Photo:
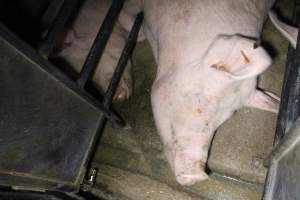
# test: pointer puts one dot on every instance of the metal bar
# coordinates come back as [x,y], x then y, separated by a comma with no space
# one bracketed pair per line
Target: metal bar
[100,42]
[289,106]
[284,180]
[288,142]
[51,14]
[57,74]
[290,98]
[282,118]
[126,53]
[110,115]
[59,26]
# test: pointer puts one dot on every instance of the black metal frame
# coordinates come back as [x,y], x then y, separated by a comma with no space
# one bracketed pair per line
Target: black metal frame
[290,98]
[100,42]
[53,37]
[287,128]
[113,117]
[56,32]
[8,194]
[283,174]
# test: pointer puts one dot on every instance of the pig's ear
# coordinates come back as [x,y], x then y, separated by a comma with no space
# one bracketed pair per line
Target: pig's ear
[236,57]
[289,32]
[263,100]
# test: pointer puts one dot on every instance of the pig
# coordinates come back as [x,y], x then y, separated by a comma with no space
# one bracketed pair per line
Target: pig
[207,68]
[79,40]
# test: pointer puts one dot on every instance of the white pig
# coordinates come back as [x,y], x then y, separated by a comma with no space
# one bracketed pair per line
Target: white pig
[81,36]
[207,69]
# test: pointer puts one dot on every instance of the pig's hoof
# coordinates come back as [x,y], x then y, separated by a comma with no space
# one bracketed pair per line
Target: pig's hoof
[190,179]
[123,92]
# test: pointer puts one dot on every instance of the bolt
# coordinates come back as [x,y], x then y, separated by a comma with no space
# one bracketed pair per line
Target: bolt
[92,176]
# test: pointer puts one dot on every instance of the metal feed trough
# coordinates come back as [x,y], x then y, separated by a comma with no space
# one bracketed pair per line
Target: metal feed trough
[41,109]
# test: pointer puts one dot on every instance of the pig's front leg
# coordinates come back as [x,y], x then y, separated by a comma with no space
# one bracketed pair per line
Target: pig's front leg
[190,156]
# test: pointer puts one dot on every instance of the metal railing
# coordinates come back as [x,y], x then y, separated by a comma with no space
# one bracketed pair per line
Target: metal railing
[53,37]
[282,182]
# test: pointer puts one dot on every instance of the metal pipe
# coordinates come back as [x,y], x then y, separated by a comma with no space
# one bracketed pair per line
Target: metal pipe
[58,75]
[290,98]
[100,42]
[289,107]
[59,27]
[126,53]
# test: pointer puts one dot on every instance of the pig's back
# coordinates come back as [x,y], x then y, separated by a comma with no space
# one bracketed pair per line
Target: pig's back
[198,22]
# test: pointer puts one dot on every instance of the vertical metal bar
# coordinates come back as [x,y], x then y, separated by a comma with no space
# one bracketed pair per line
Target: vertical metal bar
[59,26]
[50,14]
[126,53]
[44,65]
[100,42]
[290,98]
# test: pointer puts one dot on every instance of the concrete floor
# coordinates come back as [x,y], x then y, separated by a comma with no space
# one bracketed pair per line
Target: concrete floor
[131,162]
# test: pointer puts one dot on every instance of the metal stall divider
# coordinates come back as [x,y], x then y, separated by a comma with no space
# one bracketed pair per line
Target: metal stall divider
[94,56]
[108,97]
[100,42]
[44,73]
[88,69]
[283,177]
[290,98]
[59,25]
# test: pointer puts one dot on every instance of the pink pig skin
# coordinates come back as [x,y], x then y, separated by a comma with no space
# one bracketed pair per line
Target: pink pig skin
[207,69]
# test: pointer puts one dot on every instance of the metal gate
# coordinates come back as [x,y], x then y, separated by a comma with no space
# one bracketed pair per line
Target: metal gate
[49,123]
[283,179]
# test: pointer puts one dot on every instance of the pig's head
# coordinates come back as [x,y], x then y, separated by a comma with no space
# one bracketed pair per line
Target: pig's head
[191,102]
